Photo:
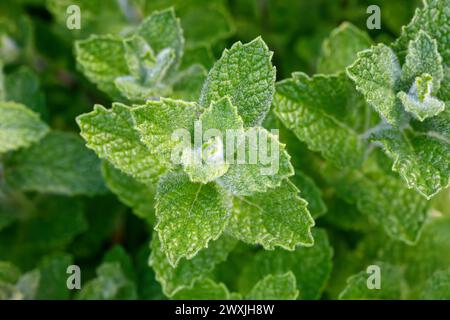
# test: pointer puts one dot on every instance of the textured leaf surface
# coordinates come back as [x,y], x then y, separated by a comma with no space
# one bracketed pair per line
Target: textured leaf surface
[138,196]
[376,74]
[53,277]
[19,126]
[59,163]
[156,121]
[265,163]
[311,266]
[422,159]
[110,133]
[162,30]
[340,48]
[101,58]
[189,215]
[187,272]
[275,287]
[245,74]
[276,218]
[324,112]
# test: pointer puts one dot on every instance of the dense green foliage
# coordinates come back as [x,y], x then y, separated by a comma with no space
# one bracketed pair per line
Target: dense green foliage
[87,170]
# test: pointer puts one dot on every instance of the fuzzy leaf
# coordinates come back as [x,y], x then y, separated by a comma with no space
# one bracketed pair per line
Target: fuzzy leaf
[274,218]
[189,215]
[156,122]
[376,74]
[245,74]
[260,163]
[101,58]
[110,133]
[437,287]
[422,159]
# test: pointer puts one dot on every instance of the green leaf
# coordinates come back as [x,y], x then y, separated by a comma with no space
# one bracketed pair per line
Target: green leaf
[139,197]
[205,289]
[310,192]
[19,126]
[59,164]
[311,266]
[275,287]
[437,287]
[162,30]
[245,74]
[101,59]
[432,19]
[376,74]
[421,158]
[423,58]
[189,215]
[326,113]
[23,86]
[392,284]
[260,163]
[187,272]
[340,48]
[157,121]
[110,133]
[276,218]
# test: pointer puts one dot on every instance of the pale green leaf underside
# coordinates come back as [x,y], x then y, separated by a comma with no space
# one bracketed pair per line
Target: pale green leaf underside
[187,272]
[19,126]
[275,287]
[245,74]
[276,218]
[189,215]
[110,133]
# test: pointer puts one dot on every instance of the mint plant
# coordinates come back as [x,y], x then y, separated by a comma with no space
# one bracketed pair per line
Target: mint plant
[159,151]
